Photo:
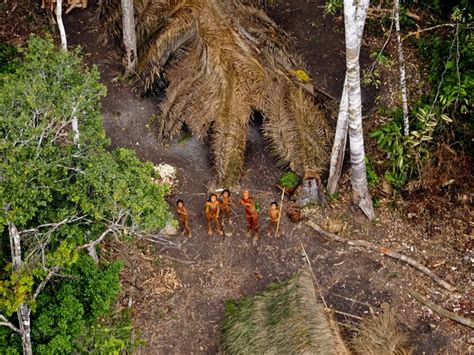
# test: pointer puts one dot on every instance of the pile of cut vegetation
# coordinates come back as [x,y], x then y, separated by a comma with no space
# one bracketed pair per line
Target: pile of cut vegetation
[288,318]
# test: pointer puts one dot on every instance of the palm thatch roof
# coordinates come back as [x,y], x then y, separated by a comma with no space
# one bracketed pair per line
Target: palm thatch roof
[288,318]
[219,61]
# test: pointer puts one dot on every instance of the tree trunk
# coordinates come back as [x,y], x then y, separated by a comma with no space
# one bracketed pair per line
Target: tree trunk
[25,328]
[403,84]
[360,190]
[75,129]
[59,19]
[129,37]
[340,139]
[24,311]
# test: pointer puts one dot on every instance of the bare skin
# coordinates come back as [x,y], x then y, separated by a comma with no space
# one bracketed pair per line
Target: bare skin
[212,210]
[251,214]
[226,209]
[274,214]
[183,219]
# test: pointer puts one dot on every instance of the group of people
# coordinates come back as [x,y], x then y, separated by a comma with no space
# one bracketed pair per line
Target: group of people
[218,211]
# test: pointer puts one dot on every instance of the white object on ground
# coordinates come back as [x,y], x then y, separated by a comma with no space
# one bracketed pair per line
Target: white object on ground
[167,174]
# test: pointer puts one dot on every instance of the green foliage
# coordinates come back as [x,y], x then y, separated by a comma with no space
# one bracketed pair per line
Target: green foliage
[288,180]
[390,139]
[376,201]
[372,177]
[10,342]
[333,6]
[443,8]
[443,113]
[15,288]
[67,308]
[7,55]
[47,178]
[450,59]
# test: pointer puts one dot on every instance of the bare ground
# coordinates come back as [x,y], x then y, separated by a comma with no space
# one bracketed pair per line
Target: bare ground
[178,295]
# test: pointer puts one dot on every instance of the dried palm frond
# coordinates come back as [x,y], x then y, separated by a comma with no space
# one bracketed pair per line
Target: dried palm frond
[380,335]
[220,61]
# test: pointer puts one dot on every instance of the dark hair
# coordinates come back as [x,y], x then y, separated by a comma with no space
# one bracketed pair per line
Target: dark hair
[225,190]
[177,202]
[210,196]
[274,203]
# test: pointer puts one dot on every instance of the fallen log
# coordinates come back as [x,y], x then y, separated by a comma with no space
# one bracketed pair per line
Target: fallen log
[440,310]
[384,251]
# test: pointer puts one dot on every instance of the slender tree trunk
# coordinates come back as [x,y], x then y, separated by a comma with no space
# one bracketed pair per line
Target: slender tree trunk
[340,139]
[15,245]
[59,19]
[75,129]
[129,36]
[360,190]
[24,311]
[403,84]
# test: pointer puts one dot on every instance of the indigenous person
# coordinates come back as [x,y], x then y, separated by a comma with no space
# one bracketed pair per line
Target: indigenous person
[251,213]
[274,214]
[225,205]
[212,210]
[183,218]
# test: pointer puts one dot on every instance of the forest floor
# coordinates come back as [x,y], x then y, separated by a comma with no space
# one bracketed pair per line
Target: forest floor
[178,294]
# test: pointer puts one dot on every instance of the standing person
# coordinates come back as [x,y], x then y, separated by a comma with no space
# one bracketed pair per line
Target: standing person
[183,218]
[274,214]
[251,214]
[225,204]
[212,214]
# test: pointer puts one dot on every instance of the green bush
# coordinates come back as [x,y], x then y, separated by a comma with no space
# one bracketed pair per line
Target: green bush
[47,177]
[66,308]
[8,55]
[288,180]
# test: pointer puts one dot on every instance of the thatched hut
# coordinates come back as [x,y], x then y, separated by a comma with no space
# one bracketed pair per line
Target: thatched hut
[289,318]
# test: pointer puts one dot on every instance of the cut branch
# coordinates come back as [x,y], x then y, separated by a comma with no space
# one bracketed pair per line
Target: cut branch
[419,31]
[440,310]
[384,251]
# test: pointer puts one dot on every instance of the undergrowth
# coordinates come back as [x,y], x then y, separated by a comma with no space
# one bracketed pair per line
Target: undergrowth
[443,113]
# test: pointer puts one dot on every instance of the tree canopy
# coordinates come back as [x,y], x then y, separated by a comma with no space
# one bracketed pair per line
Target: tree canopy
[62,195]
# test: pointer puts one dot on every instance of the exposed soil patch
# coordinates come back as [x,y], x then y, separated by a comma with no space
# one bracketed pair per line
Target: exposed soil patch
[182,312]
[320,39]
